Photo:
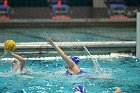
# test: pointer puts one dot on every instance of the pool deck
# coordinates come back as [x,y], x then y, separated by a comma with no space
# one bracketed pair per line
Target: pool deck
[96,47]
[102,22]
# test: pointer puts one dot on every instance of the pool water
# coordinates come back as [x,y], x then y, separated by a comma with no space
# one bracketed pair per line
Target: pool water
[68,34]
[47,76]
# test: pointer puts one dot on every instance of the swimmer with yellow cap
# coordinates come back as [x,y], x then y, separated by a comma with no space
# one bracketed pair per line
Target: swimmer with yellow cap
[18,64]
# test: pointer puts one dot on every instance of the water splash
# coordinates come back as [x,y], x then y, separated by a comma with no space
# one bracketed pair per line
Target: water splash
[2,56]
[95,62]
[44,35]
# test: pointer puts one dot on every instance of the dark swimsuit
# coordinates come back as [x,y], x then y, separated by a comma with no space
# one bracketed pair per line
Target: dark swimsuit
[81,72]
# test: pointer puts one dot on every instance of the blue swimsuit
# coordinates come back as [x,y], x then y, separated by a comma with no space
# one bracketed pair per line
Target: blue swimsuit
[81,72]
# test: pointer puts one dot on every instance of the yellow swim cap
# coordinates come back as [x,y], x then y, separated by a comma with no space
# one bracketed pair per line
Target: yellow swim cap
[10,45]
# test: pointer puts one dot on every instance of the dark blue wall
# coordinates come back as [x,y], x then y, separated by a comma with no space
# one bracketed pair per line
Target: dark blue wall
[45,3]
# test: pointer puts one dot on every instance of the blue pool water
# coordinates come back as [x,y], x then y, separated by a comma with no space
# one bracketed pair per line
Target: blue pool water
[47,76]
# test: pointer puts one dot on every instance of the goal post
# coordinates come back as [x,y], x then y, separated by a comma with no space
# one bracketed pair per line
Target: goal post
[138,36]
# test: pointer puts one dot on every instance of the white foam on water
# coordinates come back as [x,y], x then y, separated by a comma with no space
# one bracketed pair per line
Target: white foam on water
[1,57]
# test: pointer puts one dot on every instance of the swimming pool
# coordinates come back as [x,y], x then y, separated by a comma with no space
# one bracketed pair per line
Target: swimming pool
[47,76]
[83,34]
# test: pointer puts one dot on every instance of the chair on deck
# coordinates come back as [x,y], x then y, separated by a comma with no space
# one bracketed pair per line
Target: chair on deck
[4,12]
[60,10]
